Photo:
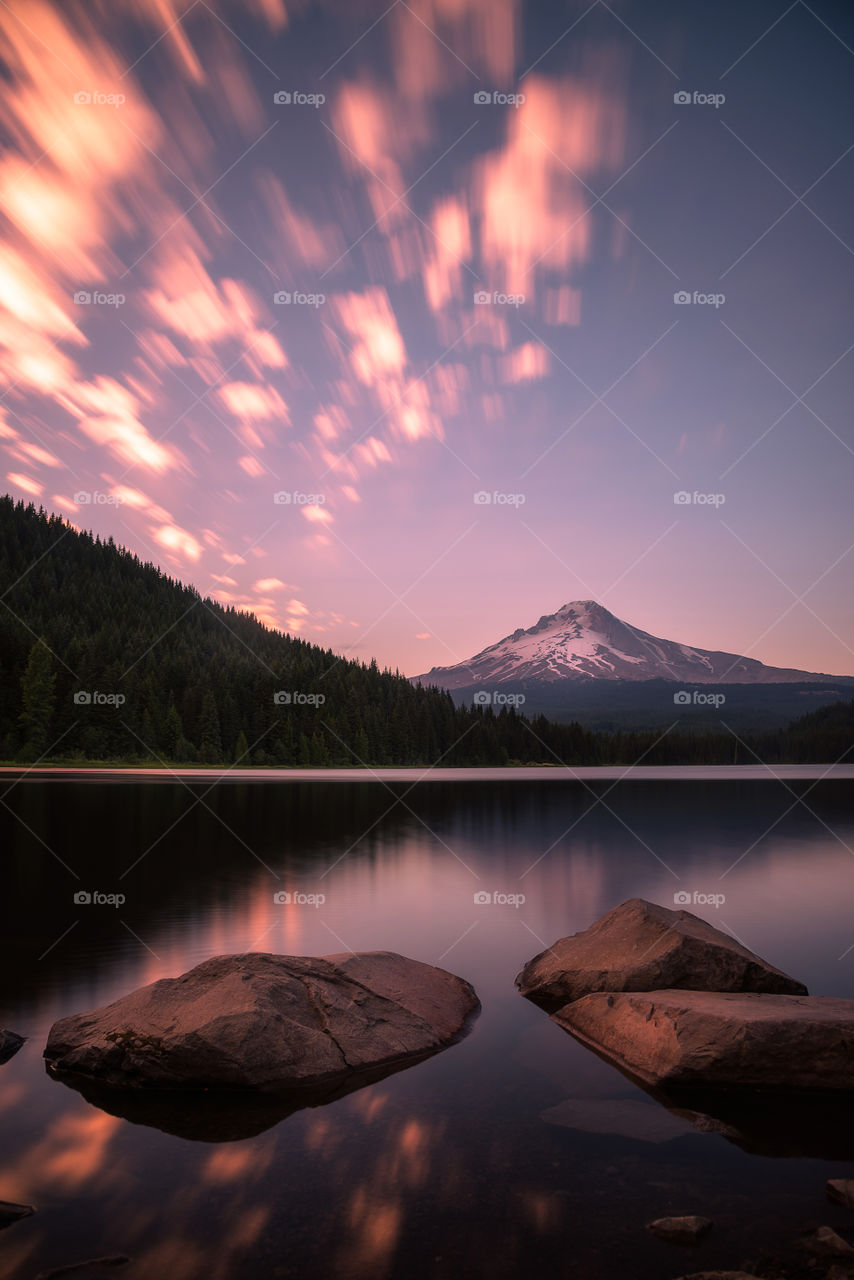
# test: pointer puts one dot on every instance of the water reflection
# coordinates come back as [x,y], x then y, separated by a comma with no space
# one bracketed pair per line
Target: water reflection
[209,1116]
[446,1169]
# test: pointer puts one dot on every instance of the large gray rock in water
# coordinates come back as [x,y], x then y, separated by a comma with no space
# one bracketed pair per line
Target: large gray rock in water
[265,1022]
[691,1039]
[643,947]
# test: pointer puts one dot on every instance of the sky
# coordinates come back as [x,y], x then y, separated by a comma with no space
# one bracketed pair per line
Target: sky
[401,325]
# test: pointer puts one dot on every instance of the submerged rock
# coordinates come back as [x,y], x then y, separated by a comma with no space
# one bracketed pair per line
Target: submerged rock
[91,1264]
[10,1212]
[825,1243]
[259,1022]
[841,1190]
[626,1117]
[10,1043]
[694,1039]
[639,946]
[684,1230]
[720,1275]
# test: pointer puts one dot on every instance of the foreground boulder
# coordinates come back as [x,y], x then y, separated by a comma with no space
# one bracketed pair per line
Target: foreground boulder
[690,1039]
[643,947]
[259,1022]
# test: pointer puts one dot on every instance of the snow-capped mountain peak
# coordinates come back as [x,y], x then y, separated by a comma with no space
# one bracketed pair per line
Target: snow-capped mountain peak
[584,640]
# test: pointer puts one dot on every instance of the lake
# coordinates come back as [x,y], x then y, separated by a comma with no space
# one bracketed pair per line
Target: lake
[448,1167]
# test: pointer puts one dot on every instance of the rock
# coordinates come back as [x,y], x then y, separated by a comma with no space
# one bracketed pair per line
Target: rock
[685,1039]
[720,1275]
[643,947]
[685,1230]
[91,1264]
[841,1190]
[827,1244]
[643,1121]
[259,1022]
[9,1044]
[10,1213]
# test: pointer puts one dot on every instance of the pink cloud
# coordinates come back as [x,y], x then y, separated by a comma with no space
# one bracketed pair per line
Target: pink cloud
[27,483]
[533,209]
[372,327]
[252,401]
[527,362]
[178,541]
[317,515]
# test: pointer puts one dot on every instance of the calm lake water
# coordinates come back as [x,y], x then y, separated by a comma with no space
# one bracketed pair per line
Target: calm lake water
[447,1168]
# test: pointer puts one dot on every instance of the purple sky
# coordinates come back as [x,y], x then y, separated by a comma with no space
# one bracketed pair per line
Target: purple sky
[149,166]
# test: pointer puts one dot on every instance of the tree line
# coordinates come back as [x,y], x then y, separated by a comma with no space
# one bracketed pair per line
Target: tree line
[103,657]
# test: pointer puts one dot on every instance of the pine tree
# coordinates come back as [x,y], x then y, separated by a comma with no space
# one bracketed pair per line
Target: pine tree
[241,749]
[210,746]
[38,699]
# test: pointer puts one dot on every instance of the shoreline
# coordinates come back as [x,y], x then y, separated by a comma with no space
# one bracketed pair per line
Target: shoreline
[420,773]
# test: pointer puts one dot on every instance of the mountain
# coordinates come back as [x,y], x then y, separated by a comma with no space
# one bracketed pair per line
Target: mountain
[104,658]
[583,640]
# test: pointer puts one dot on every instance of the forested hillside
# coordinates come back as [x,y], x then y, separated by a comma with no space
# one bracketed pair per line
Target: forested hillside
[104,657]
